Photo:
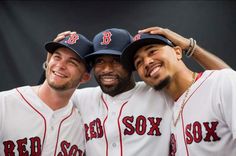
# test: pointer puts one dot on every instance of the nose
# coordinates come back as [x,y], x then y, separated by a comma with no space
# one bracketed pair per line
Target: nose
[61,64]
[148,61]
[107,68]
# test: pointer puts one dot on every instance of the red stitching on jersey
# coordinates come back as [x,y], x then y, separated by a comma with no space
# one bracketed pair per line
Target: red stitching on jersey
[104,126]
[60,129]
[121,147]
[121,144]
[45,125]
[183,130]
[182,118]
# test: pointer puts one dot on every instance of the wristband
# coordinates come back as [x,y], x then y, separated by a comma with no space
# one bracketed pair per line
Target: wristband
[191,48]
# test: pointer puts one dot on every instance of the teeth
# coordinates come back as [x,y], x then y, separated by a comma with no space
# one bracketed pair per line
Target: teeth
[154,71]
[58,74]
[108,79]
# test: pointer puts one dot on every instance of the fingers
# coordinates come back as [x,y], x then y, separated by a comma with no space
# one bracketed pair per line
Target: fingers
[177,39]
[63,35]
[152,30]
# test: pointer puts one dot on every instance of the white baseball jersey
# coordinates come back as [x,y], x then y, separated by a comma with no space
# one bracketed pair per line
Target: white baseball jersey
[207,126]
[30,127]
[134,123]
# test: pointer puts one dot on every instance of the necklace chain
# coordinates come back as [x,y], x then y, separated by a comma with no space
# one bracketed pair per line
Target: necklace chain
[184,100]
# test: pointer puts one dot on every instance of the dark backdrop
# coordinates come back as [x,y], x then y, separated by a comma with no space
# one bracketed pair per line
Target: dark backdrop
[27,25]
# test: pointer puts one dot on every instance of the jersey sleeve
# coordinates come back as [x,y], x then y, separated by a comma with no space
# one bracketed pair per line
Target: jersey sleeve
[227,95]
[75,98]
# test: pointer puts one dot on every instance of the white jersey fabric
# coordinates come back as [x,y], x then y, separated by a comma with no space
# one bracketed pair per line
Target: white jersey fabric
[207,126]
[30,127]
[134,123]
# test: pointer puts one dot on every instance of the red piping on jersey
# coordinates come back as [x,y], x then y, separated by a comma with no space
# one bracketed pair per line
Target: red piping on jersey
[45,125]
[60,129]
[121,145]
[104,126]
[184,133]
[182,118]
[198,76]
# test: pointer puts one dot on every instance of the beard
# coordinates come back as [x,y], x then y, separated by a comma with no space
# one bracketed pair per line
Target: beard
[162,84]
[58,87]
[73,83]
[113,90]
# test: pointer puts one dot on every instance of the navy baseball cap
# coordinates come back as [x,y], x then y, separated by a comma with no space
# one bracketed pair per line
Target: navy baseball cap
[141,40]
[110,42]
[78,43]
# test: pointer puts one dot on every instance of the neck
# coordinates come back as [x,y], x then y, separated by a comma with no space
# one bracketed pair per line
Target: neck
[55,99]
[129,85]
[180,82]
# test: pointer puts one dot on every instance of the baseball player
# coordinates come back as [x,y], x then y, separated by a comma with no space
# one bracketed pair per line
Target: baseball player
[204,103]
[119,116]
[41,120]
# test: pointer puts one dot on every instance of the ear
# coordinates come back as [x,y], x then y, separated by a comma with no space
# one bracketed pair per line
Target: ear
[49,55]
[178,52]
[85,78]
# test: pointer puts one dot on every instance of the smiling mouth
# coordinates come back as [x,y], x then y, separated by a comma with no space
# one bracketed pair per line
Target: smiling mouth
[108,80]
[153,70]
[59,74]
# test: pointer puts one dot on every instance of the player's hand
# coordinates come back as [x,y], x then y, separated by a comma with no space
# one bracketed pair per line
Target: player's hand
[175,38]
[63,35]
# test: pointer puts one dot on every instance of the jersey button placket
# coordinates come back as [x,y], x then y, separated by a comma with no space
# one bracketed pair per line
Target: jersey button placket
[52,123]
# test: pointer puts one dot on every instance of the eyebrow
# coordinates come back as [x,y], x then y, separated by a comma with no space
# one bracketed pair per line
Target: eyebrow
[76,58]
[149,47]
[145,49]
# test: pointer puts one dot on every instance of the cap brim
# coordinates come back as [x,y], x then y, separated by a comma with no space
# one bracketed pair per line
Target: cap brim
[52,46]
[91,56]
[129,52]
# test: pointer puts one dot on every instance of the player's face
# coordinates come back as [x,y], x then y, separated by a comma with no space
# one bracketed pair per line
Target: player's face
[65,70]
[110,74]
[155,64]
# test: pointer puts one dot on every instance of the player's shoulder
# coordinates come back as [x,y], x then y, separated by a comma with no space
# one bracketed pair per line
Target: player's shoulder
[227,72]
[12,92]
[224,78]
[143,89]
[88,92]
[12,95]
[220,74]
[142,86]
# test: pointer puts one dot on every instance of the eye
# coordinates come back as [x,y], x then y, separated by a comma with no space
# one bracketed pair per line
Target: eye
[56,57]
[98,61]
[153,51]
[137,63]
[74,62]
[116,60]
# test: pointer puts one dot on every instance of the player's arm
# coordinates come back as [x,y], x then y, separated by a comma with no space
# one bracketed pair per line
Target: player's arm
[206,59]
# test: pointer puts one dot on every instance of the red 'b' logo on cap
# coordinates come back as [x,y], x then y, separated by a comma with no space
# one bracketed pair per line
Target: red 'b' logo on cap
[137,37]
[72,39]
[106,39]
